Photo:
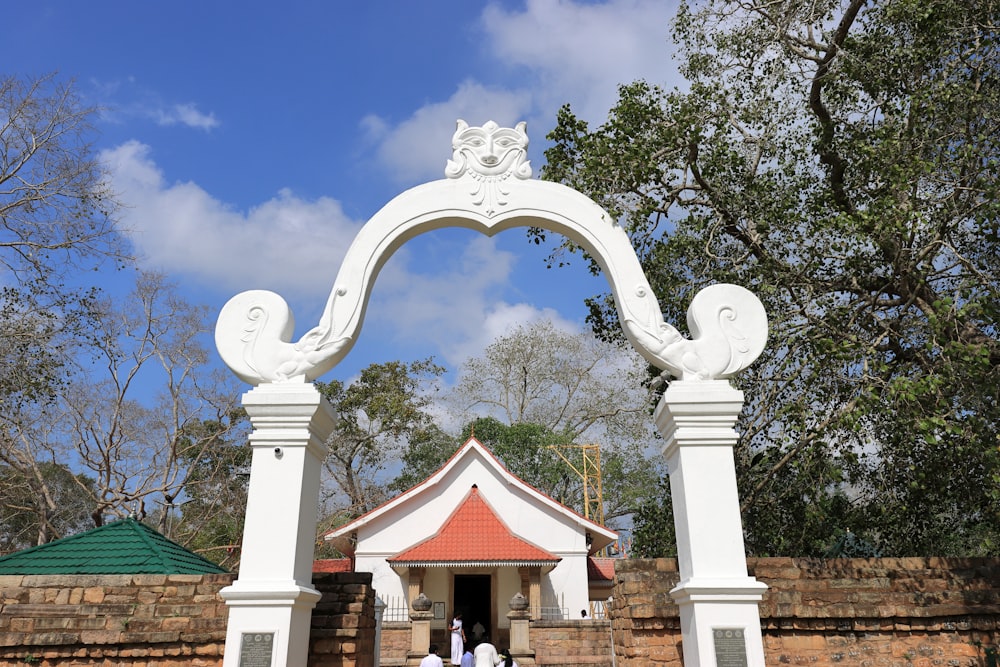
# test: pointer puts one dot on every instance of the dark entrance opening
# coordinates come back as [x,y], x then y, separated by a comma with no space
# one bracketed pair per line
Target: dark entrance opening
[473,599]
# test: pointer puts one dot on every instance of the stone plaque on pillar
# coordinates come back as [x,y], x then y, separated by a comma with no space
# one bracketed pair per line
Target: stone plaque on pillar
[256,649]
[730,647]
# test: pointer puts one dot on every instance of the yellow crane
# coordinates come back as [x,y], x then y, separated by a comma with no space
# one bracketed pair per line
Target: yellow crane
[593,493]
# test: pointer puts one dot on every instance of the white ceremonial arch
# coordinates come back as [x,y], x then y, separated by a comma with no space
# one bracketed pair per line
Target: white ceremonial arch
[488,187]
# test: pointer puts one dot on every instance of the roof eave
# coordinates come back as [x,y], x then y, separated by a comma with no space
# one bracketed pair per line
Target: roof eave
[402,566]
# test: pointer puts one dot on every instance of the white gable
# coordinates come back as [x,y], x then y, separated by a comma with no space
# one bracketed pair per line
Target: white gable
[420,512]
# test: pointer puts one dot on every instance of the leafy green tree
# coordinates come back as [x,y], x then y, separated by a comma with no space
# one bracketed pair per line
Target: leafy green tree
[653,534]
[378,412]
[429,448]
[214,498]
[35,510]
[840,159]
[527,450]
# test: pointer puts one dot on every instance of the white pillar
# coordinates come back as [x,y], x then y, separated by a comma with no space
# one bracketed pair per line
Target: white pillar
[717,599]
[271,601]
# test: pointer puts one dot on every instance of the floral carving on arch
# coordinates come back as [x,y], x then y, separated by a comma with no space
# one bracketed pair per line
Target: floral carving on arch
[488,187]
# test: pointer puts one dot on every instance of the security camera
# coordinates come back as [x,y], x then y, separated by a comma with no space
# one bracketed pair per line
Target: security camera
[277,452]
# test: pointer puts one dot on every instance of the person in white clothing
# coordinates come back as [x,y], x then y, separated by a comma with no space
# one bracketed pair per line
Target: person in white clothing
[432,659]
[457,639]
[486,654]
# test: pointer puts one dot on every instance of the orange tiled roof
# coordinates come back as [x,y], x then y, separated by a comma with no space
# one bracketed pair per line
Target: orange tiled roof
[333,565]
[601,570]
[474,534]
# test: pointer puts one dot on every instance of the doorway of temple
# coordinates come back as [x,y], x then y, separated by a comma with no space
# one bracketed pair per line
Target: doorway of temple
[474,599]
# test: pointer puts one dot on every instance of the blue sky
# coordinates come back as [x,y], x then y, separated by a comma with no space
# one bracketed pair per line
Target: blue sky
[251,140]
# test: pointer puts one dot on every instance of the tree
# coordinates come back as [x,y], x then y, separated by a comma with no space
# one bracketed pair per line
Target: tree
[840,159]
[428,449]
[132,418]
[541,387]
[653,534]
[527,450]
[57,210]
[378,413]
[57,220]
[35,510]
[215,492]
[37,346]
[575,385]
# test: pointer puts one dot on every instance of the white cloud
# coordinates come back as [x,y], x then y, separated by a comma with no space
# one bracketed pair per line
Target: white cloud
[546,55]
[186,114]
[579,52]
[459,306]
[180,227]
[417,149]
[125,98]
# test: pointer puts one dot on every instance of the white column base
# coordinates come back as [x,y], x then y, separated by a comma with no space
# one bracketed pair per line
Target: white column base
[282,610]
[727,606]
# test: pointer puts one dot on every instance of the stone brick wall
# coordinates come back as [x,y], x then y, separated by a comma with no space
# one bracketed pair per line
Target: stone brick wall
[395,643]
[163,620]
[135,620]
[907,612]
[343,623]
[910,612]
[576,642]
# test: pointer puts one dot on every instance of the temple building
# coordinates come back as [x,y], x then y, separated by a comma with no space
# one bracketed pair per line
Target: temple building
[473,535]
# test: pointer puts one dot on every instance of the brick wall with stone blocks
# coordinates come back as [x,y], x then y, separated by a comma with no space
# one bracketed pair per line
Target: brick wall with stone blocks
[905,612]
[911,612]
[142,619]
[575,642]
[395,643]
[343,623]
[162,620]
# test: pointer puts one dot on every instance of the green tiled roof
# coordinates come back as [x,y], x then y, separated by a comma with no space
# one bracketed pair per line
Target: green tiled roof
[121,547]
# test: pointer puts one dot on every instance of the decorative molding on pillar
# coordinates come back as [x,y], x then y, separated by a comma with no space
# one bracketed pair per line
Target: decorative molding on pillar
[265,594]
[488,187]
[698,412]
[737,589]
[290,413]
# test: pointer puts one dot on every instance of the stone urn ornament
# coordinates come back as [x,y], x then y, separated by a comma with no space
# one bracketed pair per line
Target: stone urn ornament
[421,603]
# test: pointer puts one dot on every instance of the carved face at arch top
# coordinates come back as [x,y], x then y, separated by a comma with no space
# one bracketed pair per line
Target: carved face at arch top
[489,150]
